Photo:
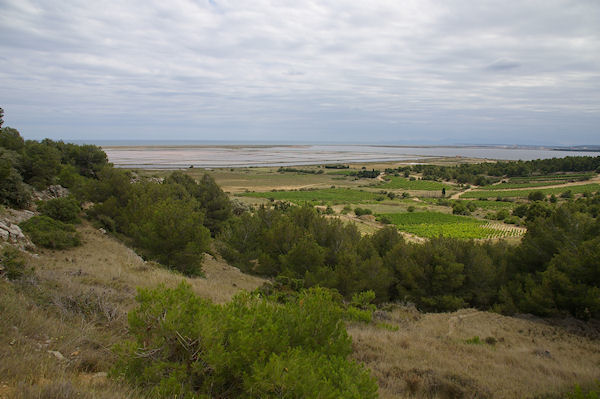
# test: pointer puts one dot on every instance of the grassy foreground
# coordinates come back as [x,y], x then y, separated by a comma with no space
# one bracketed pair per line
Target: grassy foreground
[60,322]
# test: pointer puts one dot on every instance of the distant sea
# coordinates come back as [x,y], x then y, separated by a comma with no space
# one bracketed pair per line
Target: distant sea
[183,154]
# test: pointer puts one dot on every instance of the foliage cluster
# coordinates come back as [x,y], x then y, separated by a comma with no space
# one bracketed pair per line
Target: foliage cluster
[64,209]
[26,163]
[407,184]
[362,211]
[328,195]
[553,270]
[580,189]
[13,264]
[303,171]
[336,166]
[366,174]
[50,233]
[486,173]
[169,222]
[250,348]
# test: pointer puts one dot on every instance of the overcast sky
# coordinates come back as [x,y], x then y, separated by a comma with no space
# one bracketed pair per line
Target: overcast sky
[522,72]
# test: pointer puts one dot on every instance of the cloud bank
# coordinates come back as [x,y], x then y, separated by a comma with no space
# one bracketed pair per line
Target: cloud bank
[386,71]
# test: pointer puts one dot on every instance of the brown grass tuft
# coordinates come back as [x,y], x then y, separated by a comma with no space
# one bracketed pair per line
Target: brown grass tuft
[435,355]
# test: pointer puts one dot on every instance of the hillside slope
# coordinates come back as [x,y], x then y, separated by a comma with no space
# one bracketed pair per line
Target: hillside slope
[59,323]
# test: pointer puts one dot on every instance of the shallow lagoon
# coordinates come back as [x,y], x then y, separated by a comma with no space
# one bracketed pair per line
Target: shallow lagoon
[221,156]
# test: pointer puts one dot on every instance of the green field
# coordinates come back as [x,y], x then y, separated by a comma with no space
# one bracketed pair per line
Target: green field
[435,224]
[579,189]
[494,205]
[343,172]
[328,195]
[507,186]
[565,177]
[406,184]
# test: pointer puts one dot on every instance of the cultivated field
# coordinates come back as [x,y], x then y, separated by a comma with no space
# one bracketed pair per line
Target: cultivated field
[393,195]
[523,193]
[436,224]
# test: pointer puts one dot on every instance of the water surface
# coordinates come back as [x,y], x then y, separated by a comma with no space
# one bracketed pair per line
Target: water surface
[220,156]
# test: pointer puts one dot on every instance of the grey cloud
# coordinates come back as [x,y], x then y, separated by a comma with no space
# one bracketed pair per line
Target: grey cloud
[389,70]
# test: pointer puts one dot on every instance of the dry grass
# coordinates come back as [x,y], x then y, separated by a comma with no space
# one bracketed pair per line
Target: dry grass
[58,325]
[430,355]
[105,263]
[76,302]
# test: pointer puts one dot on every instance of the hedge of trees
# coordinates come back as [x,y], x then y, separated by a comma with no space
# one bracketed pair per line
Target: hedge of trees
[554,270]
[490,172]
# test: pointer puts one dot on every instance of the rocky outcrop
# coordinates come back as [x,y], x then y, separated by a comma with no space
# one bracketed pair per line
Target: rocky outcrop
[10,230]
[51,192]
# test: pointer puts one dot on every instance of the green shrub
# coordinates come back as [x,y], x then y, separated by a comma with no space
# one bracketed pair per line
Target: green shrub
[474,341]
[362,211]
[13,192]
[13,264]
[579,393]
[502,214]
[384,219]
[50,233]
[300,374]
[361,307]
[251,347]
[567,194]
[512,220]
[536,196]
[459,208]
[63,209]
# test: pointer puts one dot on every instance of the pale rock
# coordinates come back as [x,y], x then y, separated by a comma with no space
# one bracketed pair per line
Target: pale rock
[57,355]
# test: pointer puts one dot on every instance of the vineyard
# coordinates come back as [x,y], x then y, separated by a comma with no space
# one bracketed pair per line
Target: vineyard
[494,205]
[565,177]
[328,195]
[538,181]
[406,184]
[508,186]
[435,224]
[505,230]
[579,189]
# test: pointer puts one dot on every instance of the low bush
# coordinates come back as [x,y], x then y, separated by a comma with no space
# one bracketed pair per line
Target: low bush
[49,233]
[362,211]
[63,209]
[579,393]
[12,264]
[536,196]
[251,347]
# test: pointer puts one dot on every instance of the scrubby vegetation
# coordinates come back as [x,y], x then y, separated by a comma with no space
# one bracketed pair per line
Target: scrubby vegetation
[441,274]
[170,222]
[485,173]
[251,347]
[50,233]
[289,338]
[63,209]
[27,164]
[330,195]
